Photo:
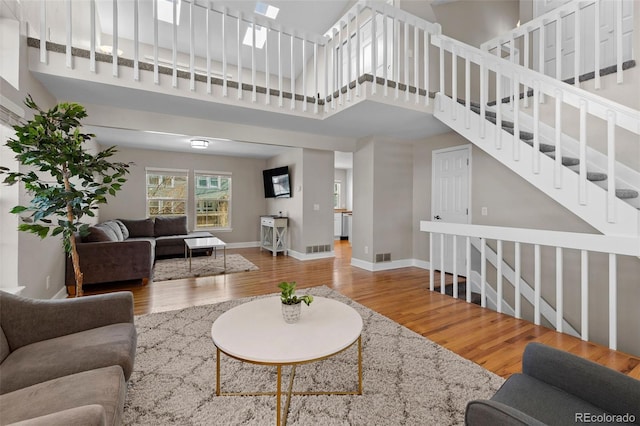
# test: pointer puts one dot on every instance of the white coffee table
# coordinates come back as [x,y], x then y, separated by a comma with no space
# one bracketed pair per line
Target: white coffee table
[255,332]
[191,244]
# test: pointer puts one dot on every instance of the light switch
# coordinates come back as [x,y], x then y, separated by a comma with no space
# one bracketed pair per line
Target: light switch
[316,207]
[484,211]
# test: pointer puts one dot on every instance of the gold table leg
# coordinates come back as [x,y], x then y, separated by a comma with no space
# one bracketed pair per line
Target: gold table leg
[278,394]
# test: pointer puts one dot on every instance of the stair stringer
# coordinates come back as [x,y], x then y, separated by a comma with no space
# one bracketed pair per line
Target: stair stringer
[594,212]
[626,177]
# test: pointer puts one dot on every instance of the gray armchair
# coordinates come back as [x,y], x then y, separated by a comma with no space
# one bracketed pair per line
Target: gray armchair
[65,361]
[559,388]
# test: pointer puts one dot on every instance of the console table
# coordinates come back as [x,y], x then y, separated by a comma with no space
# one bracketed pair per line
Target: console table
[273,234]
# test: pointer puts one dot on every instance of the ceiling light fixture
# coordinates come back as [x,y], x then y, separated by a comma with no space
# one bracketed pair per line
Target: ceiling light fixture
[267,10]
[199,143]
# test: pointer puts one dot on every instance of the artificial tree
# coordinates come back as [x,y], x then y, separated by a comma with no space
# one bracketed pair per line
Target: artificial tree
[66,182]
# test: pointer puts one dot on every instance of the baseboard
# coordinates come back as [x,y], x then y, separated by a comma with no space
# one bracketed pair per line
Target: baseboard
[310,256]
[248,244]
[385,266]
[61,294]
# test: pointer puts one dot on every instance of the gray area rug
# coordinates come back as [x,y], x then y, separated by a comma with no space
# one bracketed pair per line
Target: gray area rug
[407,379]
[202,266]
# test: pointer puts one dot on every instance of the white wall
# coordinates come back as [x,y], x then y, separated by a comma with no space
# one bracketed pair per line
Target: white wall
[8,222]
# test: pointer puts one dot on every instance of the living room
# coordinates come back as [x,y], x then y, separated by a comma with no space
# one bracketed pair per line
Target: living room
[393,179]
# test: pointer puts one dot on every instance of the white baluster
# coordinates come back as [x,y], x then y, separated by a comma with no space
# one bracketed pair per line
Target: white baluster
[267,71]
[431,264]
[348,79]
[499,276]
[43,31]
[326,75]
[304,75]
[454,83]
[518,274]
[611,166]
[526,65]
[92,41]
[483,98]
[136,40]
[454,250]
[254,92]
[558,170]
[483,273]
[613,302]
[536,127]
[426,66]
[467,91]
[280,85]
[385,52]
[315,76]
[68,56]
[358,67]
[293,75]
[596,54]
[192,53]
[542,45]
[584,294]
[498,108]
[577,42]
[515,95]
[516,119]
[442,74]
[468,278]
[114,52]
[239,41]
[582,185]
[223,24]
[208,46]
[536,284]
[442,278]
[618,31]
[156,74]
[416,80]
[559,291]
[559,48]
[174,26]
[406,60]
[396,47]
[374,51]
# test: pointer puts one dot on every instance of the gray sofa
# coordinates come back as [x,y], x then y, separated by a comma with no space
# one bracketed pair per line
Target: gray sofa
[123,249]
[559,388]
[65,362]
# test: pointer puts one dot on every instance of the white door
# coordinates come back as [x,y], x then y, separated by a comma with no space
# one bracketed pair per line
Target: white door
[607,32]
[450,201]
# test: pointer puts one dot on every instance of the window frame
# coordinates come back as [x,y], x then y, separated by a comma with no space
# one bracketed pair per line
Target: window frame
[211,175]
[163,173]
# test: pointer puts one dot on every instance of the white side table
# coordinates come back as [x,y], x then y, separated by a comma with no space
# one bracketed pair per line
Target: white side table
[273,234]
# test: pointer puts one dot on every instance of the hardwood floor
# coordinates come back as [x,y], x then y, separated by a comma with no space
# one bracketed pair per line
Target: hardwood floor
[493,340]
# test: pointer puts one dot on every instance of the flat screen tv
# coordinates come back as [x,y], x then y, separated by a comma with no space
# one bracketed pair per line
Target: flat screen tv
[277,182]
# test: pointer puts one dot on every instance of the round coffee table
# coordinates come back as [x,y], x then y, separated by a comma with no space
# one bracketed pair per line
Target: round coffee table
[255,332]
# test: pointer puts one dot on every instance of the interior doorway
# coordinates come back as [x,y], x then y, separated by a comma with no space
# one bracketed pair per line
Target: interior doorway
[450,201]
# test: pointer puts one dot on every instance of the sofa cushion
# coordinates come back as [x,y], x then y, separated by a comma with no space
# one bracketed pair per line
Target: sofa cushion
[48,359]
[100,234]
[139,227]
[86,415]
[115,228]
[170,225]
[104,386]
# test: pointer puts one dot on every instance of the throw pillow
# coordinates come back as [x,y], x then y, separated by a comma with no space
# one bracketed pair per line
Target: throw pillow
[115,228]
[100,234]
[123,229]
[139,227]
[171,225]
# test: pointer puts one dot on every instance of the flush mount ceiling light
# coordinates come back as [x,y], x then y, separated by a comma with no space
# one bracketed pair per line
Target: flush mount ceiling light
[261,36]
[267,10]
[199,143]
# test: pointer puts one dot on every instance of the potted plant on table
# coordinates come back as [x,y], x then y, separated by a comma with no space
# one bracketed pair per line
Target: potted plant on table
[291,303]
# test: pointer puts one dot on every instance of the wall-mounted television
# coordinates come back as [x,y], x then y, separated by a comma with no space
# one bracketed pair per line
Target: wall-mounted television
[277,182]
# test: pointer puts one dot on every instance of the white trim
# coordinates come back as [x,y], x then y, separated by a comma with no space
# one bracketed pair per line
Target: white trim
[382,266]
[209,173]
[11,106]
[163,170]
[247,244]
[310,256]
[61,294]
[13,290]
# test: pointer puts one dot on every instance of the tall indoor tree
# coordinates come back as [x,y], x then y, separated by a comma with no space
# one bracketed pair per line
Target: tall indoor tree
[66,181]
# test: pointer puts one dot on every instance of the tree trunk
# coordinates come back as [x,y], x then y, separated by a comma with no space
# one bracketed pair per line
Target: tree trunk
[75,258]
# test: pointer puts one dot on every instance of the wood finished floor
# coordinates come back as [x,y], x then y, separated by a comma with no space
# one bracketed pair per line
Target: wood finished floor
[493,340]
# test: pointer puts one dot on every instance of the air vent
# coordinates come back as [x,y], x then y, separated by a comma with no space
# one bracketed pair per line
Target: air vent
[322,248]
[383,257]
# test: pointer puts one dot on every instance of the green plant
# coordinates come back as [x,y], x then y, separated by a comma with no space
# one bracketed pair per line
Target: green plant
[288,295]
[65,180]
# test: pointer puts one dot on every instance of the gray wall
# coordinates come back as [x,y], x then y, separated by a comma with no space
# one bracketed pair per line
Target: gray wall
[248,200]
[363,201]
[317,191]
[291,207]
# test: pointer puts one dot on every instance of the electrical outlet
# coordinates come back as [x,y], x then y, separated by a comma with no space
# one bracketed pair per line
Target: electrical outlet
[316,207]
[366,249]
[48,281]
[484,211]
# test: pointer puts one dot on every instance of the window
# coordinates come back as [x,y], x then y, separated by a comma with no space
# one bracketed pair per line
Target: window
[167,192]
[213,200]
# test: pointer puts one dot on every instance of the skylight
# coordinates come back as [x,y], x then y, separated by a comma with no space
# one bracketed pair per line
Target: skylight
[165,10]
[267,10]
[261,36]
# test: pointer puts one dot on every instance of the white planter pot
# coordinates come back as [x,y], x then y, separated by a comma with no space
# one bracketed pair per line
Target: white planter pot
[291,313]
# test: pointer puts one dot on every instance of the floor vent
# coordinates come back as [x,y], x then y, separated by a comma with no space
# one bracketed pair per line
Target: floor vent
[322,248]
[383,257]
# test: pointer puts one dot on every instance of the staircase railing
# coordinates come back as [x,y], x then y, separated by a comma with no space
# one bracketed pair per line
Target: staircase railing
[613,246]
[589,107]
[572,13]
[295,67]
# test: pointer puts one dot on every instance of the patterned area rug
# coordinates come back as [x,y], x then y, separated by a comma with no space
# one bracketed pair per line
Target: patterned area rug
[202,266]
[407,379]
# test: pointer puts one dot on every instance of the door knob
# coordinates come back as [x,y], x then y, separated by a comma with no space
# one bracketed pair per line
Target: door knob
[437,217]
